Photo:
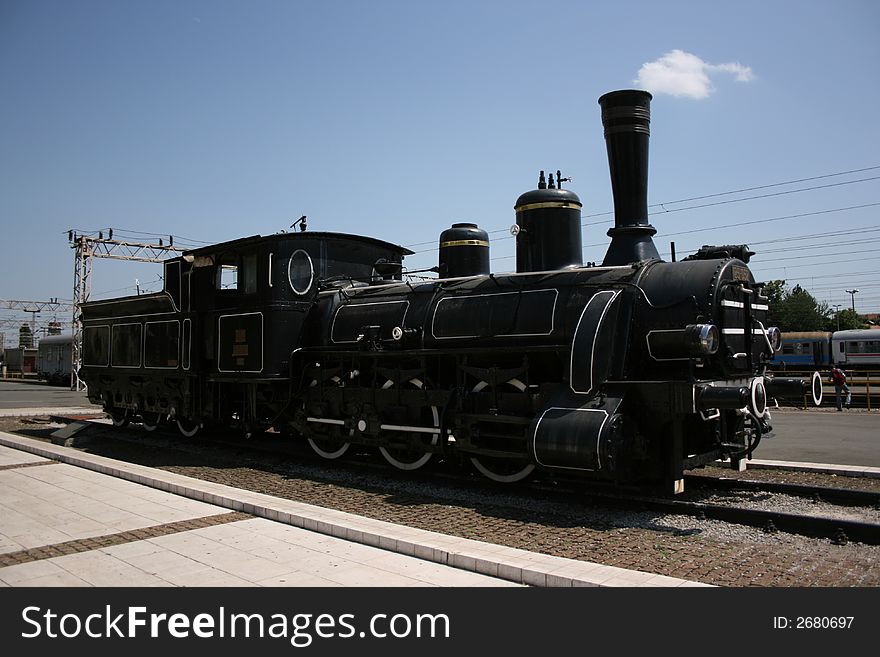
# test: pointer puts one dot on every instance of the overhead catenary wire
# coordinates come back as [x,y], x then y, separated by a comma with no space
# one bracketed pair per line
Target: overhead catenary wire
[851,231]
[158,279]
[718,194]
[718,227]
[662,208]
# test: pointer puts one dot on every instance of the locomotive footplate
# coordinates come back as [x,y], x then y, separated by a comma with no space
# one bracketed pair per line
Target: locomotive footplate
[675,397]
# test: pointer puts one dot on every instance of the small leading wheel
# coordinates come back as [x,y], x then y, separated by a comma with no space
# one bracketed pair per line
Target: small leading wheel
[150,421]
[421,421]
[188,427]
[119,417]
[502,470]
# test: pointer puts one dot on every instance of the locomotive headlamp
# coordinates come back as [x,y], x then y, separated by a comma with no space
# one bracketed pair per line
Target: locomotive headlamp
[774,335]
[400,334]
[701,339]
[694,340]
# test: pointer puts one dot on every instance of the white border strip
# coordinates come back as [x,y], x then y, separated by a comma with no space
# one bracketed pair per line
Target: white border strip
[358,305]
[595,337]
[140,347]
[497,294]
[154,367]
[109,344]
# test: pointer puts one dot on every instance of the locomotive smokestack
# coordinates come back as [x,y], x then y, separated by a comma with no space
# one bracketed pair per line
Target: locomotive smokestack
[626,116]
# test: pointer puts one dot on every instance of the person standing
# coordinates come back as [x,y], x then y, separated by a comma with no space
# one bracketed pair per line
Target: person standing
[838,378]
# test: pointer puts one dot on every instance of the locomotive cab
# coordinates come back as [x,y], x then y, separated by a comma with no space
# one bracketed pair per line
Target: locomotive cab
[255,294]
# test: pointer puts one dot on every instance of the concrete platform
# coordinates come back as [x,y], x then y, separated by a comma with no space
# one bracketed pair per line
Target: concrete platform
[51,410]
[823,468]
[73,519]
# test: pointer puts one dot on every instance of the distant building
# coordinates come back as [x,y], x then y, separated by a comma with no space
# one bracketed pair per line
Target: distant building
[21,360]
[25,336]
[873,320]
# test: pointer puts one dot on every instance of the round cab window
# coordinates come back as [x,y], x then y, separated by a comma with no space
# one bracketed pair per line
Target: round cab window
[300,272]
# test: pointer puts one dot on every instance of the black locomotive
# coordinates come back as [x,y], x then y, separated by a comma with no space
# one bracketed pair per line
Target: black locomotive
[627,373]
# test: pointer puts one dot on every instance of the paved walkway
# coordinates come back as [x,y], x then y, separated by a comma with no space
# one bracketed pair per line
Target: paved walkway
[69,518]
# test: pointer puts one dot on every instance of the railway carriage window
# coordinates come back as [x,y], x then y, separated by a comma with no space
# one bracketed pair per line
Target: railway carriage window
[864,347]
[300,272]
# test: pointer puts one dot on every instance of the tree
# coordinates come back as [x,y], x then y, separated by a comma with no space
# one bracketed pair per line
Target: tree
[795,309]
[774,291]
[848,319]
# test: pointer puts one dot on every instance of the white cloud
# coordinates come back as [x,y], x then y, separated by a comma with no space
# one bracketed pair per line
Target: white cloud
[680,73]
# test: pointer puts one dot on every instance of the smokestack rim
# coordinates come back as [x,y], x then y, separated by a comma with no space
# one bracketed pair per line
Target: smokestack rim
[626,111]
[640,94]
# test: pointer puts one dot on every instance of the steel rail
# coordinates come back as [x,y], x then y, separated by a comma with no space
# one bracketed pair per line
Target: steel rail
[841,496]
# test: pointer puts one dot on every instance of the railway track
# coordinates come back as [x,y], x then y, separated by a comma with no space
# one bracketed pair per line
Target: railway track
[839,530]
[842,496]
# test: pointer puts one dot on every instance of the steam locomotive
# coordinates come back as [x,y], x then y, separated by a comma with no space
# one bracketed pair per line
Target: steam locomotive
[626,373]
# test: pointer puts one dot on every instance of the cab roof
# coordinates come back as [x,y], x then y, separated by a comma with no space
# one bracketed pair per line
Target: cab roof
[294,236]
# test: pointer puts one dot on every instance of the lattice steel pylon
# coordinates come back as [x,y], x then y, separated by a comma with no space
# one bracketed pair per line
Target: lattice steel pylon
[85,248]
[53,306]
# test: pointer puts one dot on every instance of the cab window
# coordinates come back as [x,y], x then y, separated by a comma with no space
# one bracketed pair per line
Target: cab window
[238,274]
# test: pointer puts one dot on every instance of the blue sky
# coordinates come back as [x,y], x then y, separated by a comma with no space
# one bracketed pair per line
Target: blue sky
[212,120]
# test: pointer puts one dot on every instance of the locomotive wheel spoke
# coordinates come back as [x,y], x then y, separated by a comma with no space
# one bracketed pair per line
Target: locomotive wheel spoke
[150,421]
[412,458]
[502,470]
